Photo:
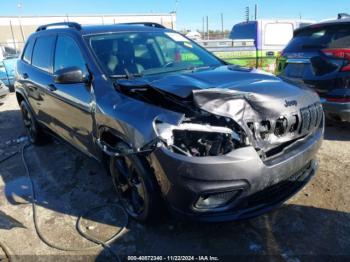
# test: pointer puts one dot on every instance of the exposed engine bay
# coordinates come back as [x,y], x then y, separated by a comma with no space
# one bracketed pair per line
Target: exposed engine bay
[266,114]
[200,134]
[194,139]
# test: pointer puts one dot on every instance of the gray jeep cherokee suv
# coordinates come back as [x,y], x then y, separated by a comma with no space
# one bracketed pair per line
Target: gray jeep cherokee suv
[174,123]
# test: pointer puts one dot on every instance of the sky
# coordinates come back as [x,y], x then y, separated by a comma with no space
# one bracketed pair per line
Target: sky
[189,12]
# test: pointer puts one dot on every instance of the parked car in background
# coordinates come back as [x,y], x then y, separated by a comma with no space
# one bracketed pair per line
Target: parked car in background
[174,123]
[318,57]
[194,35]
[255,43]
[7,71]
[4,91]
[6,51]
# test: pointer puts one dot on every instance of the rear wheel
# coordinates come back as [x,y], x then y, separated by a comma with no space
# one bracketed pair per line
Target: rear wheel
[136,186]
[34,132]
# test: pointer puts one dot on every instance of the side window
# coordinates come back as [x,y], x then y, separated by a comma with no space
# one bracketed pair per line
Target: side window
[42,52]
[278,34]
[27,55]
[246,30]
[340,38]
[68,54]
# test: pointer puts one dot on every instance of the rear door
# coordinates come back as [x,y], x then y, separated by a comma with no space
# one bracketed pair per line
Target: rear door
[36,76]
[317,56]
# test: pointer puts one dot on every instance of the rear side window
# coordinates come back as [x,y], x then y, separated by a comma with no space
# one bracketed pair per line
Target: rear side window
[334,36]
[278,33]
[246,30]
[42,52]
[68,54]
[27,55]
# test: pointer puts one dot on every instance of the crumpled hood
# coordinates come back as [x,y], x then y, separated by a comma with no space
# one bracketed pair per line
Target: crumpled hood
[264,91]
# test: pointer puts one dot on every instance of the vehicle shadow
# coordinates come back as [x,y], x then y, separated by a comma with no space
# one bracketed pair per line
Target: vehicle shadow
[290,233]
[10,125]
[68,184]
[337,131]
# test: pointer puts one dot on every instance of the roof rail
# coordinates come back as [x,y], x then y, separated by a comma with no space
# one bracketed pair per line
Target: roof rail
[343,15]
[151,24]
[67,24]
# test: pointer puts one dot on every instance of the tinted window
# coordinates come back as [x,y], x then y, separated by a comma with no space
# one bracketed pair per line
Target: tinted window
[42,52]
[334,36]
[68,54]
[246,30]
[304,24]
[27,55]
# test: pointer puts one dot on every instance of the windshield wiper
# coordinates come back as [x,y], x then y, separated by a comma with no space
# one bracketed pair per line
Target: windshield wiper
[172,70]
[127,75]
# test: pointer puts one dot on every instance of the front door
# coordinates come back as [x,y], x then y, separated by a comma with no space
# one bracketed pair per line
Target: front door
[71,108]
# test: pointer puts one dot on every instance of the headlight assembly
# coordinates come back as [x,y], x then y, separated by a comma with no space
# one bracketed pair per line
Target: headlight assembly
[194,139]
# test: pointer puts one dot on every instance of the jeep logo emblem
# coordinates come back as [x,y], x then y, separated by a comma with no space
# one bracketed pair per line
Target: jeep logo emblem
[290,103]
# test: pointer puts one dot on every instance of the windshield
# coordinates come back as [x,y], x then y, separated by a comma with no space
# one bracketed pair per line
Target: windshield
[145,53]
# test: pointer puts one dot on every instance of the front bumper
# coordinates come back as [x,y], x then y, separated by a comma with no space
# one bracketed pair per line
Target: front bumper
[262,185]
[337,111]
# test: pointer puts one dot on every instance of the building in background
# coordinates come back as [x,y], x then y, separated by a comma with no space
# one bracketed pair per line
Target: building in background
[14,30]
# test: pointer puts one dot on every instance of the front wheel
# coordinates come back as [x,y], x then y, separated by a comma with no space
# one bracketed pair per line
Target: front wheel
[136,186]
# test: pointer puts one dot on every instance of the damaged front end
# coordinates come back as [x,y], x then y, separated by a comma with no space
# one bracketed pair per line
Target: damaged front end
[235,150]
[201,139]
[199,134]
[268,122]
[217,121]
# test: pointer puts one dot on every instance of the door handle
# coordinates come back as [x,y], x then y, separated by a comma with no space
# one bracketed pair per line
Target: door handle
[52,87]
[25,76]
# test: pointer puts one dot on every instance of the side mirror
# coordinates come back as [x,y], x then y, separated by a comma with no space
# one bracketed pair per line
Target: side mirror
[69,75]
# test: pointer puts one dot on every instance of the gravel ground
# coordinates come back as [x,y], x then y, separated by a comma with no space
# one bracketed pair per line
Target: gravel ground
[314,225]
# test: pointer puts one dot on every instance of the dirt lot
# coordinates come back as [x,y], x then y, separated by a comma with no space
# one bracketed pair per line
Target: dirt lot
[313,225]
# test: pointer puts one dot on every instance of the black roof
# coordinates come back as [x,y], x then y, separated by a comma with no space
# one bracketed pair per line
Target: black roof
[86,30]
[97,29]
[324,23]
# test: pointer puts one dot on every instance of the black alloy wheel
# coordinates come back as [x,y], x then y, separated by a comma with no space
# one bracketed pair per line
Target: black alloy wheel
[136,186]
[34,132]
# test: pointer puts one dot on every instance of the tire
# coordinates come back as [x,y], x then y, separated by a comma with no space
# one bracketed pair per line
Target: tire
[136,186]
[35,134]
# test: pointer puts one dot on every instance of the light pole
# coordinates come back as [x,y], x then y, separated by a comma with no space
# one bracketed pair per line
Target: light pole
[19,6]
[176,5]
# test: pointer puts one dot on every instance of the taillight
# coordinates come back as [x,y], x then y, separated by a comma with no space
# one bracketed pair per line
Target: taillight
[338,99]
[341,53]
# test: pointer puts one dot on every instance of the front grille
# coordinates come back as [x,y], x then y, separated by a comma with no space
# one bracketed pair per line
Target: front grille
[276,192]
[311,117]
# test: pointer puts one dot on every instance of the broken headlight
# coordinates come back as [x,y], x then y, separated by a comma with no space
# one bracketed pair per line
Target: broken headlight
[194,139]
